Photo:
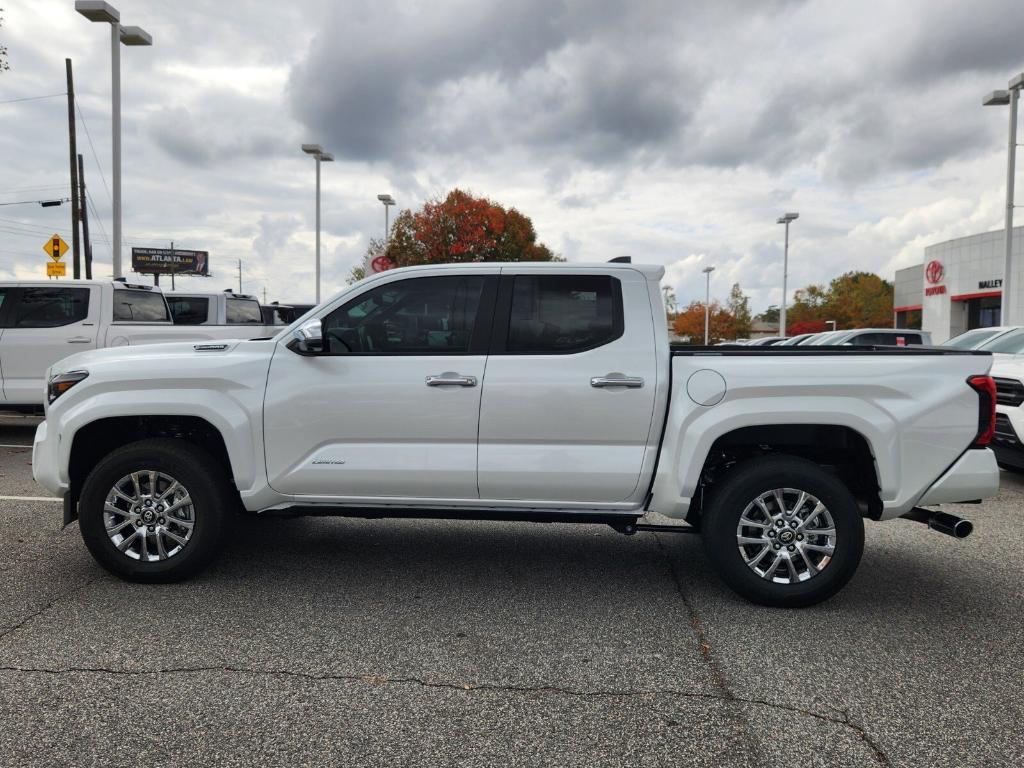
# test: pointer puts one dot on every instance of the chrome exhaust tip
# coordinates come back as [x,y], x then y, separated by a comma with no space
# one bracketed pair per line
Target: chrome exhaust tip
[943,522]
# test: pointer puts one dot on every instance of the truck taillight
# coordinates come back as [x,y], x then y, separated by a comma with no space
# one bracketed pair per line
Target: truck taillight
[985,386]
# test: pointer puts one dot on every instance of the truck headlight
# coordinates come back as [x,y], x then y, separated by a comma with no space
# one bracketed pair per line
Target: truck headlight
[62,382]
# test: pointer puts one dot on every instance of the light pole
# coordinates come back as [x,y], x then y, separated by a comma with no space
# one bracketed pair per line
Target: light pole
[997,98]
[97,10]
[321,157]
[388,201]
[707,304]
[785,219]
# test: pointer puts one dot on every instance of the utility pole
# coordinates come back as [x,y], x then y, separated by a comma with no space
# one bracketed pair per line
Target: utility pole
[73,154]
[264,294]
[239,275]
[84,216]
[173,269]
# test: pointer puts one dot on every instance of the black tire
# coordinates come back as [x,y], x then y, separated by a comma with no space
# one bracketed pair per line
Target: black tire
[741,487]
[212,508]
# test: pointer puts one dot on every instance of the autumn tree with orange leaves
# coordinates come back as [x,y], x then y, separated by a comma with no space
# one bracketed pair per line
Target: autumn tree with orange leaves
[460,228]
[689,323]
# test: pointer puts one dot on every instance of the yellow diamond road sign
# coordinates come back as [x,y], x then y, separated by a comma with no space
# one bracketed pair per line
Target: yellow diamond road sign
[56,269]
[55,247]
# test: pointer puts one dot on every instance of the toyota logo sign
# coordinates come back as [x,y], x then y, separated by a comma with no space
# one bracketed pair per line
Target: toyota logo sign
[934,272]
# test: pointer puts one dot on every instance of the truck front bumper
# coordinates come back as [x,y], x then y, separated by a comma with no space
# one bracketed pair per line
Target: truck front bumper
[46,464]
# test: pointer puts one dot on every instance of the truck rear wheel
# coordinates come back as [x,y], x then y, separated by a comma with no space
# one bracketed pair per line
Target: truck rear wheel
[155,510]
[783,532]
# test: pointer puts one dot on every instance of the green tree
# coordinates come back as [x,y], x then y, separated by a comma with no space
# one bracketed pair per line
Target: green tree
[859,300]
[770,315]
[738,306]
[808,305]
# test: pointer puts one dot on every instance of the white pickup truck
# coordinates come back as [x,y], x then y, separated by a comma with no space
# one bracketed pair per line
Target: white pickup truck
[536,392]
[42,322]
[225,308]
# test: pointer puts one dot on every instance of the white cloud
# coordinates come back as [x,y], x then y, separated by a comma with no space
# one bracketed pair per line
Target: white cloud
[675,134]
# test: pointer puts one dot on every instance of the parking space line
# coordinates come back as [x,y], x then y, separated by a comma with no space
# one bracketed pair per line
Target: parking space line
[14,445]
[29,498]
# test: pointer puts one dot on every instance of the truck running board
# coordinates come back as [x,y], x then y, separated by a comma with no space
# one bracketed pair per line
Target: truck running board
[630,528]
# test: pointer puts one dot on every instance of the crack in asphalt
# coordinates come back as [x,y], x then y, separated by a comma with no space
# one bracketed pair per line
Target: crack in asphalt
[727,693]
[15,627]
[440,684]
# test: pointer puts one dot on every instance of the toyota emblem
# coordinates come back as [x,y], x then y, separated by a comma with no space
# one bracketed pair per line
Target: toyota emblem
[934,272]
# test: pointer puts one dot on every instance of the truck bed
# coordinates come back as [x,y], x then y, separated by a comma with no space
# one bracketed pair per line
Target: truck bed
[684,350]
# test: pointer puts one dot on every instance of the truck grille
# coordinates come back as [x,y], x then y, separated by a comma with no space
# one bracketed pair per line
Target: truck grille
[1009,392]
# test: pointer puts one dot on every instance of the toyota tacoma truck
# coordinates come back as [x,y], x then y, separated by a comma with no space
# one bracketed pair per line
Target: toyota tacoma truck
[528,392]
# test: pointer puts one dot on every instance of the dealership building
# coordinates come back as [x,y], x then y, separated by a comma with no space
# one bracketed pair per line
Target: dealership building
[959,285]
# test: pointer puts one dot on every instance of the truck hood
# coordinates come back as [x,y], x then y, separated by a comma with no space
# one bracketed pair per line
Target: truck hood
[175,356]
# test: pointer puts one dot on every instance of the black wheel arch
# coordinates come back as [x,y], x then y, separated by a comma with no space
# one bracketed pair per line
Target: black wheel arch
[97,439]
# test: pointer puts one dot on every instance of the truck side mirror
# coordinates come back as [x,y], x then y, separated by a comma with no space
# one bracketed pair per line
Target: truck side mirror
[308,338]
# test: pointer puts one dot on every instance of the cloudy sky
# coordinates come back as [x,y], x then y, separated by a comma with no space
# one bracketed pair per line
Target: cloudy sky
[674,132]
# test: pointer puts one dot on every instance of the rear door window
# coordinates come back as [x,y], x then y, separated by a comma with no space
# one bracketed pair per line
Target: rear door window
[132,306]
[49,307]
[244,312]
[563,314]
[189,310]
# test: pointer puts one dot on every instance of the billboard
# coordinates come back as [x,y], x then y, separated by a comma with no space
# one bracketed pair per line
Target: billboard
[165,261]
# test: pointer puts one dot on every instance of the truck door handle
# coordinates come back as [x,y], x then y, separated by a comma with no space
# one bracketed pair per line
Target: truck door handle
[617,380]
[451,379]
[79,340]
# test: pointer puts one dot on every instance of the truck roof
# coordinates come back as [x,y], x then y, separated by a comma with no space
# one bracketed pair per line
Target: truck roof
[226,294]
[78,283]
[650,271]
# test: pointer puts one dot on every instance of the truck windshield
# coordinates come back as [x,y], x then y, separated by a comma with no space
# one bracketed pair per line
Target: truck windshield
[1011,343]
[244,311]
[972,339]
[139,306]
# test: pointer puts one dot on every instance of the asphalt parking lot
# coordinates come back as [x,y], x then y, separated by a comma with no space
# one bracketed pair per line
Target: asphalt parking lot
[349,642]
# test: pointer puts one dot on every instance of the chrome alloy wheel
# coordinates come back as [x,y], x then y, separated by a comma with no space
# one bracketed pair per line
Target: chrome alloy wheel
[786,535]
[149,516]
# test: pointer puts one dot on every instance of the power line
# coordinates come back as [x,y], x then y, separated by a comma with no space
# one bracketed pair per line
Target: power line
[98,219]
[95,157]
[32,98]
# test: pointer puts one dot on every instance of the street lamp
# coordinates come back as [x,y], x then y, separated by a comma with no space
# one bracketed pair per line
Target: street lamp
[707,304]
[97,10]
[1001,98]
[388,201]
[785,219]
[321,157]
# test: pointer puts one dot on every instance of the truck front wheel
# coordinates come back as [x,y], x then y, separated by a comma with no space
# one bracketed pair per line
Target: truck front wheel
[783,532]
[155,510]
